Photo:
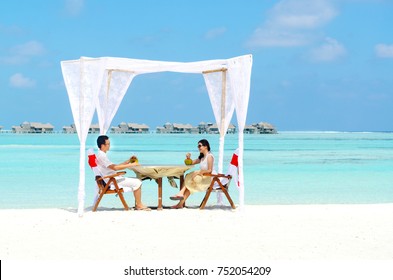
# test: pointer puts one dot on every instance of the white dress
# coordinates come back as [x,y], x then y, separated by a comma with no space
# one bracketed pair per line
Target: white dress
[203,165]
[202,185]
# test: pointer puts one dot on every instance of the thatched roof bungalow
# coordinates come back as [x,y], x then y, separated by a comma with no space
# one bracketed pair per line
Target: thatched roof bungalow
[265,128]
[138,128]
[33,127]
[213,129]
[177,128]
[130,128]
[69,129]
[94,128]
[249,129]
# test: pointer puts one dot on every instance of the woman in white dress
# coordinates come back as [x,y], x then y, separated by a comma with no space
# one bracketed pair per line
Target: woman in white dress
[195,181]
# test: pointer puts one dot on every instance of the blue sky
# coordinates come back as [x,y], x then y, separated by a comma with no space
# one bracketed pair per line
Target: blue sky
[318,64]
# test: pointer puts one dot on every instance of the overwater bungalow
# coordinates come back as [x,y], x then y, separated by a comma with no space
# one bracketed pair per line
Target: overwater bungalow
[94,128]
[130,128]
[33,127]
[69,129]
[249,129]
[203,127]
[177,128]
[184,128]
[213,129]
[265,128]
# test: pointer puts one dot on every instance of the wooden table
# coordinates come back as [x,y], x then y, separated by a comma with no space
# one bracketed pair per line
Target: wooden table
[157,172]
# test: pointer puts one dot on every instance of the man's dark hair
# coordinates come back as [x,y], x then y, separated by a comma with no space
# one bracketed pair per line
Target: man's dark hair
[101,140]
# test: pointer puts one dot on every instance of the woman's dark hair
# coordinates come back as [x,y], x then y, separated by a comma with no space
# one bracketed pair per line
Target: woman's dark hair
[205,143]
[101,140]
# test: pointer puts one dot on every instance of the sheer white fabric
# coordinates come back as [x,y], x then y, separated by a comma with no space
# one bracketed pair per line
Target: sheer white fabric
[82,89]
[222,104]
[113,88]
[240,73]
[139,66]
[101,83]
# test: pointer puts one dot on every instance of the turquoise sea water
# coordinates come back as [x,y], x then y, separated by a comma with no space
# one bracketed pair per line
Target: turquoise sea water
[42,171]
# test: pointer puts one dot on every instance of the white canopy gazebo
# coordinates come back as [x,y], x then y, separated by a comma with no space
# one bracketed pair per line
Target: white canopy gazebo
[101,83]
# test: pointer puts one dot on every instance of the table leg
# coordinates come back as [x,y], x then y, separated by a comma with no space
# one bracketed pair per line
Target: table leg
[159,183]
[182,185]
[181,182]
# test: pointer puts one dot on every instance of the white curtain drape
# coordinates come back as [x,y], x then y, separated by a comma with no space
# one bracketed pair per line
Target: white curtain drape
[113,88]
[79,79]
[222,104]
[240,80]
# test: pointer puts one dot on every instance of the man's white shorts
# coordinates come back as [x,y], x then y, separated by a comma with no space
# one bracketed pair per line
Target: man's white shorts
[128,184]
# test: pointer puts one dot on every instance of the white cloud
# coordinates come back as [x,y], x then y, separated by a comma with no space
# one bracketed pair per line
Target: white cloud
[30,48]
[214,33]
[291,23]
[264,37]
[22,53]
[19,81]
[74,7]
[384,51]
[303,14]
[331,50]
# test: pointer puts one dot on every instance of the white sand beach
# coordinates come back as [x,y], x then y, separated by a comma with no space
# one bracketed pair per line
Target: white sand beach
[282,232]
